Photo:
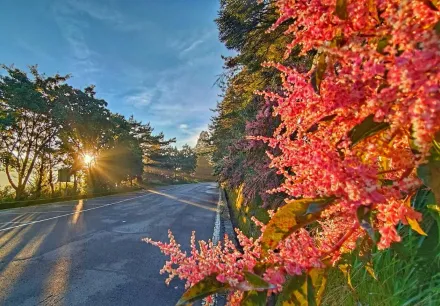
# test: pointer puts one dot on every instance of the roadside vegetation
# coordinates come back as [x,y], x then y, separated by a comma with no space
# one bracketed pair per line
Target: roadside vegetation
[327,143]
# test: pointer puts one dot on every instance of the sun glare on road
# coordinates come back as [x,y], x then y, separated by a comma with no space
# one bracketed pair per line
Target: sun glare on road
[78,210]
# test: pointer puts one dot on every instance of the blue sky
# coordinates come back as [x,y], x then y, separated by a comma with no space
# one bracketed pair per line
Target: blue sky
[155,59]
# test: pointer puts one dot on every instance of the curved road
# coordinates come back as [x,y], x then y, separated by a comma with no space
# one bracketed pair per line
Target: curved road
[90,252]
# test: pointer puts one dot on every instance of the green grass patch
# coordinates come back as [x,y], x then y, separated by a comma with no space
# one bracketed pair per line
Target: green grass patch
[407,274]
[25,203]
[242,212]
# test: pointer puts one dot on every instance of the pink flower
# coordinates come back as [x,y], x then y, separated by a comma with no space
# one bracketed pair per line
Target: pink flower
[382,65]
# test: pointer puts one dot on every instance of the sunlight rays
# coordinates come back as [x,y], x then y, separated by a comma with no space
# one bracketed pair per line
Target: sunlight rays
[78,210]
[14,269]
[57,280]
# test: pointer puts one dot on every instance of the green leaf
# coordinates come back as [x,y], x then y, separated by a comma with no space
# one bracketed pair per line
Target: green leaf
[318,73]
[386,182]
[260,268]
[400,250]
[305,289]
[314,208]
[432,4]
[370,269]
[416,226]
[206,287]
[431,244]
[254,298]
[363,214]
[346,270]
[341,9]
[432,204]
[294,291]
[382,43]
[290,218]
[257,282]
[365,129]
[318,279]
[429,173]
[434,208]
[363,251]
[328,118]
[437,28]
[364,247]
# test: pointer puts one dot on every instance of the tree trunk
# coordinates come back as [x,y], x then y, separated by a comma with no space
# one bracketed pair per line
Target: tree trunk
[52,187]
[75,183]
[40,178]
[19,193]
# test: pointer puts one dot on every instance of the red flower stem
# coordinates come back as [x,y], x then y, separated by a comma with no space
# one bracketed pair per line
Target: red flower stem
[347,235]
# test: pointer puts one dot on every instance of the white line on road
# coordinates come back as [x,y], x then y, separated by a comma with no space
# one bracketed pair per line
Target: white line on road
[34,212]
[72,213]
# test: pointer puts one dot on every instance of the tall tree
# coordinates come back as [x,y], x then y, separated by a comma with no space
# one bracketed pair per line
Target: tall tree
[204,151]
[35,110]
[237,160]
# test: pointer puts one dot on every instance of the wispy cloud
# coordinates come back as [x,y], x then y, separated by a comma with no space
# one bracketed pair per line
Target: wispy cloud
[105,11]
[185,45]
[32,48]
[82,58]
[192,46]
[70,17]
[140,99]
[180,99]
[191,136]
[96,9]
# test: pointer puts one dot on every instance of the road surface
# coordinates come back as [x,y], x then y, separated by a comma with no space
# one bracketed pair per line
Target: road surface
[90,252]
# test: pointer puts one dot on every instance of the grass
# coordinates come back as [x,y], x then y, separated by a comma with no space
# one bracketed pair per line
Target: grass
[24,203]
[407,274]
[242,212]
[410,281]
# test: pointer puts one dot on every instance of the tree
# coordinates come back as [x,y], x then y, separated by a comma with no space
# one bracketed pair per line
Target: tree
[239,162]
[204,151]
[35,109]
[187,159]
[47,124]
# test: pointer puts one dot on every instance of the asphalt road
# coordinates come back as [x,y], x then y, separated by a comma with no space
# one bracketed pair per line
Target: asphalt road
[90,252]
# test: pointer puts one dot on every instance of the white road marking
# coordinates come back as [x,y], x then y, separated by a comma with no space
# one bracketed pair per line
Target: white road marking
[35,212]
[72,213]
[13,222]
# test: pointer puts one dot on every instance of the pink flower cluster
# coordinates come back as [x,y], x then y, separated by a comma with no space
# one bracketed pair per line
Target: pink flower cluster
[294,255]
[378,59]
[381,60]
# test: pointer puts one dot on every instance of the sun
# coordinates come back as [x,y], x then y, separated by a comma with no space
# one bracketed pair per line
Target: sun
[88,158]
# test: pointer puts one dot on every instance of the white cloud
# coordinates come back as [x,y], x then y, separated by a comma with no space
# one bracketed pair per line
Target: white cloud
[192,136]
[105,11]
[69,15]
[83,59]
[141,99]
[184,45]
[192,46]
[183,97]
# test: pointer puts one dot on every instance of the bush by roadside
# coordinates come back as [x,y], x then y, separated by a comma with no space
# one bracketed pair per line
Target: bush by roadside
[15,204]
